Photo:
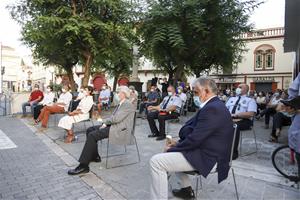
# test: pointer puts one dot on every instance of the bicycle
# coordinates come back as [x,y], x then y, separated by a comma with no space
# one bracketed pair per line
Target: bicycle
[286,163]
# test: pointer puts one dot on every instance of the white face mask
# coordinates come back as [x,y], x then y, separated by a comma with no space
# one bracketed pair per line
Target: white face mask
[81,90]
[238,91]
[85,93]
[64,90]
[170,93]
[117,98]
[48,90]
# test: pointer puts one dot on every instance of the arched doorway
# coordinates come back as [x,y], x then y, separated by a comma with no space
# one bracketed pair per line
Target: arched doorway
[123,81]
[98,81]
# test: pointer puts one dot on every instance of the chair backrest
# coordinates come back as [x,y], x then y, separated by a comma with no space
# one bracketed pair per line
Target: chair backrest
[233,141]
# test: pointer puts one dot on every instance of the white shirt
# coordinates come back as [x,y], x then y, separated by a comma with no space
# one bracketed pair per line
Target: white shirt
[105,94]
[48,98]
[182,97]
[85,104]
[174,101]
[80,96]
[275,101]
[246,104]
[260,100]
[65,98]
[204,103]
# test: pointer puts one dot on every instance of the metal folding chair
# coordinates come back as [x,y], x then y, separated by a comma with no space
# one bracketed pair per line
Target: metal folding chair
[125,149]
[254,137]
[197,174]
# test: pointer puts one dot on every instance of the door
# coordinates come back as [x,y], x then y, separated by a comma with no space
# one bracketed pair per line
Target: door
[263,87]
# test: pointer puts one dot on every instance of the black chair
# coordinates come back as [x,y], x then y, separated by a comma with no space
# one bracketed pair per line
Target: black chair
[197,174]
[125,149]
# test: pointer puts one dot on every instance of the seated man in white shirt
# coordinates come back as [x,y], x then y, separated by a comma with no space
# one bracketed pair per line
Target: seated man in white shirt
[182,96]
[47,101]
[104,97]
[60,106]
[80,114]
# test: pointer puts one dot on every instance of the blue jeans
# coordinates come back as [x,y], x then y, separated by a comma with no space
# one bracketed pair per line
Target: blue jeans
[24,105]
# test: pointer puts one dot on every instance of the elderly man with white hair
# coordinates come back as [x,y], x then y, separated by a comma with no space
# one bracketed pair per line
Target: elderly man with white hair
[117,128]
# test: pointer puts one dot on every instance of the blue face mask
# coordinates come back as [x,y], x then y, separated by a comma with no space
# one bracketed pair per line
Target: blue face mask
[197,101]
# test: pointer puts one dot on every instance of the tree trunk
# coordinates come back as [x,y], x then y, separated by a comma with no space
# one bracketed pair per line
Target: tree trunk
[178,75]
[87,68]
[71,77]
[115,83]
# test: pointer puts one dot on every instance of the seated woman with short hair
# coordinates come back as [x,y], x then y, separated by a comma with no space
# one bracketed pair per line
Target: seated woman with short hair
[80,114]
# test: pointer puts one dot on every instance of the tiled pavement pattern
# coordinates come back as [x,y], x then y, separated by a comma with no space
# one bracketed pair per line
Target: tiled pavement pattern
[256,178]
[33,171]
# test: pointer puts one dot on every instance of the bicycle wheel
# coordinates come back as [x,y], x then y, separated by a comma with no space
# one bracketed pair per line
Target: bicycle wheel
[284,162]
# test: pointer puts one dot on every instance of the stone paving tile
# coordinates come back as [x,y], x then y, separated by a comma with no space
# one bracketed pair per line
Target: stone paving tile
[255,175]
[33,171]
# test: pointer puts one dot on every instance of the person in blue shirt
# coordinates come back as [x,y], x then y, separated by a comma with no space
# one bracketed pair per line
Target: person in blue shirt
[152,99]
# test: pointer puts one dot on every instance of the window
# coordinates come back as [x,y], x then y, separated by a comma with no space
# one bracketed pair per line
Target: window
[259,60]
[264,56]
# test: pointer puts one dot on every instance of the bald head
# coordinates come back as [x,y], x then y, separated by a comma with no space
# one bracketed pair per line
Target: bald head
[244,88]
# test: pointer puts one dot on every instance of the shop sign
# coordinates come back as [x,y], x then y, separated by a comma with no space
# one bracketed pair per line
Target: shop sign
[264,79]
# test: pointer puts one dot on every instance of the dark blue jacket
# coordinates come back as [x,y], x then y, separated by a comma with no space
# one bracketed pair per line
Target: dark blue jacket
[206,139]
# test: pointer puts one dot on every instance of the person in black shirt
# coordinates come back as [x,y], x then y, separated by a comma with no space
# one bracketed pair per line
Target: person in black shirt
[164,88]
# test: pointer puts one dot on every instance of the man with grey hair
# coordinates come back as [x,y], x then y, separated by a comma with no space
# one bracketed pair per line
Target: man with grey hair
[205,140]
[117,128]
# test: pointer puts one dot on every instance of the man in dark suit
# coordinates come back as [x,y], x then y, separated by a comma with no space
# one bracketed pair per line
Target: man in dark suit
[205,140]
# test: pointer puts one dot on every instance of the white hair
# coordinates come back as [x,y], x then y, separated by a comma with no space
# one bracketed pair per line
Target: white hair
[125,90]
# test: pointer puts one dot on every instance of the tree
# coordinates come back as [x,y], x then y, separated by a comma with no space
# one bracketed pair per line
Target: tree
[83,30]
[194,35]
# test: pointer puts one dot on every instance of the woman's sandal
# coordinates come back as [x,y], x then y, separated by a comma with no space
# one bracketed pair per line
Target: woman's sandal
[69,138]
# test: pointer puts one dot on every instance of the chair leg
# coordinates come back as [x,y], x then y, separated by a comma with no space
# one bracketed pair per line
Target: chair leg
[196,188]
[106,162]
[254,134]
[236,191]
[137,149]
[241,142]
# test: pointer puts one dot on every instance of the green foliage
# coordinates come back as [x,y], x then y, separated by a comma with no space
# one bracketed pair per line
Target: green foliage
[194,35]
[66,32]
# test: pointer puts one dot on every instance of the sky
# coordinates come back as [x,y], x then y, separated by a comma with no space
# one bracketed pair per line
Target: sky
[270,14]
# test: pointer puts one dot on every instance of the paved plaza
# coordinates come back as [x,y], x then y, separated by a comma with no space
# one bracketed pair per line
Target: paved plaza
[35,166]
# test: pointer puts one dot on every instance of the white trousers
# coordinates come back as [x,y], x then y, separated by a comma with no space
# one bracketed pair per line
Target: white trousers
[162,163]
[67,121]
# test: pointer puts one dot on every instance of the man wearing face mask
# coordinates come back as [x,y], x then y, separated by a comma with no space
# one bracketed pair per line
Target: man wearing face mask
[35,97]
[168,109]
[242,109]
[103,98]
[205,140]
[152,99]
[60,106]
[118,128]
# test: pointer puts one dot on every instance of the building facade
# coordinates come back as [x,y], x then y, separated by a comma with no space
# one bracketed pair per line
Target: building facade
[17,74]
[264,66]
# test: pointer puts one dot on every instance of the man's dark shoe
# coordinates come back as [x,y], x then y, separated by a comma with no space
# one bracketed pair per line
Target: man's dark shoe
[152,135]
[79,170]
[97,159]
[162,137]
[184,193]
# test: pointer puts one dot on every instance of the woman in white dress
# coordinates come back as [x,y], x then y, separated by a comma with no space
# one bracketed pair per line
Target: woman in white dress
[80,114]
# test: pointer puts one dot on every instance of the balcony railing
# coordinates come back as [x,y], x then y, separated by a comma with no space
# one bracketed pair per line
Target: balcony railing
[264,33]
